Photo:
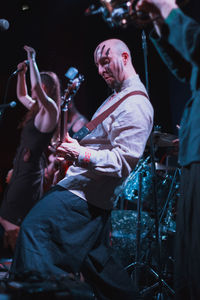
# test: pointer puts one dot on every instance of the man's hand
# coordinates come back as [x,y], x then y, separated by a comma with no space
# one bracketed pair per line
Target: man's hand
[68,150]
[163,7]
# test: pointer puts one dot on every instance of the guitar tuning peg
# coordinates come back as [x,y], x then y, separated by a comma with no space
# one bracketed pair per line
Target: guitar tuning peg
[81,77]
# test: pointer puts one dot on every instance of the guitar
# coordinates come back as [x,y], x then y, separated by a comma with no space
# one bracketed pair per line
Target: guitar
[68,96]
[56,170]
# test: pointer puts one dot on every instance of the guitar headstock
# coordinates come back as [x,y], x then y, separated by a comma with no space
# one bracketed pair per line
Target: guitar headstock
[71,90]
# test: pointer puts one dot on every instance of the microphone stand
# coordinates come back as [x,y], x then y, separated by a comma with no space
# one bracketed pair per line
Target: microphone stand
[158,275]
[160,282]
[152,154]
[6,89]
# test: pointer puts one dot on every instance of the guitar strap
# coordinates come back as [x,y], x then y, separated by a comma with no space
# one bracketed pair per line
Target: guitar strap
[85,130]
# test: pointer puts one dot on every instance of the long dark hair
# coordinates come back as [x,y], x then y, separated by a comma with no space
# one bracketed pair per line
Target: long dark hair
[52,84]
[53,90]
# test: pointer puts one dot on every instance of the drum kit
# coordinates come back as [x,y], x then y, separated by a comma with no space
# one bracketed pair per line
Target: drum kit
[134,222]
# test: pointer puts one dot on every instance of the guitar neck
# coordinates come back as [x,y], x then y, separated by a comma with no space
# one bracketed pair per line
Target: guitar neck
[62,124]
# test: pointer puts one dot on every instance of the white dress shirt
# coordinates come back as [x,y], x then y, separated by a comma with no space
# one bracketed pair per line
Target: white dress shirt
[111,151]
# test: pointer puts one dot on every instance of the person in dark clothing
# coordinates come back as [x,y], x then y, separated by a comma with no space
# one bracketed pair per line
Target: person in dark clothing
[176,37]
[39,127]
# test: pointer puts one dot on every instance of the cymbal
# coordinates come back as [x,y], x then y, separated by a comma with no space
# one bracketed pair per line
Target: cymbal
[162,139]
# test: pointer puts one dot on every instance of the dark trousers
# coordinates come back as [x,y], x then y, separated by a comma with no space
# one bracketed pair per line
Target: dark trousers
[64,234]
[187,244]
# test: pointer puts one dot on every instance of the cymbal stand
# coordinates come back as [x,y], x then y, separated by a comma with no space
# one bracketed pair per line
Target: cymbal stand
[160,282]
[169,197]
[137,264]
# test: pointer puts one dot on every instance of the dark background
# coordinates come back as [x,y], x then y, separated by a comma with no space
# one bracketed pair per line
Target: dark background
[63,37]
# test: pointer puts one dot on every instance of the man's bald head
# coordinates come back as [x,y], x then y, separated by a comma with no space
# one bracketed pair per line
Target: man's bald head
[111,45]
[113,60]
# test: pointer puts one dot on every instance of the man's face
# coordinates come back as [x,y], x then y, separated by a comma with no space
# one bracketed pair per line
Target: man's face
[110,65]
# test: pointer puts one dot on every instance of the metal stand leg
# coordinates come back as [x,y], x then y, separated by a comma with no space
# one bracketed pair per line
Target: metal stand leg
[158,288]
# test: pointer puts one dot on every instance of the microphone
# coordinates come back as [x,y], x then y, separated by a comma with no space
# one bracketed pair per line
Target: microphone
[19,70]
[4,25]
[7,105]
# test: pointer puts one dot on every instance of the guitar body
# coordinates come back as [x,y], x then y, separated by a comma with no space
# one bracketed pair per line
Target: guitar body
[61,172]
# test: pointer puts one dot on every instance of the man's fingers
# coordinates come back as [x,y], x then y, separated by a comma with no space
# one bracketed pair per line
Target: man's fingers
[60,159]
[68,138]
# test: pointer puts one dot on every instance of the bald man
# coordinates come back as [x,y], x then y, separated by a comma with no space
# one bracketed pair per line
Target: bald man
[68,230]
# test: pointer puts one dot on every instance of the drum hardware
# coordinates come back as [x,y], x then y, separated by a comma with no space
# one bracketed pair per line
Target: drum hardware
[137,262]
[138,265]
[167,226]
[163,139]
[166,216]
[142,176]
[136,244]
[127,190]
[124,234]
[135,269]
[168,223]
[161,167]
[160,285]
